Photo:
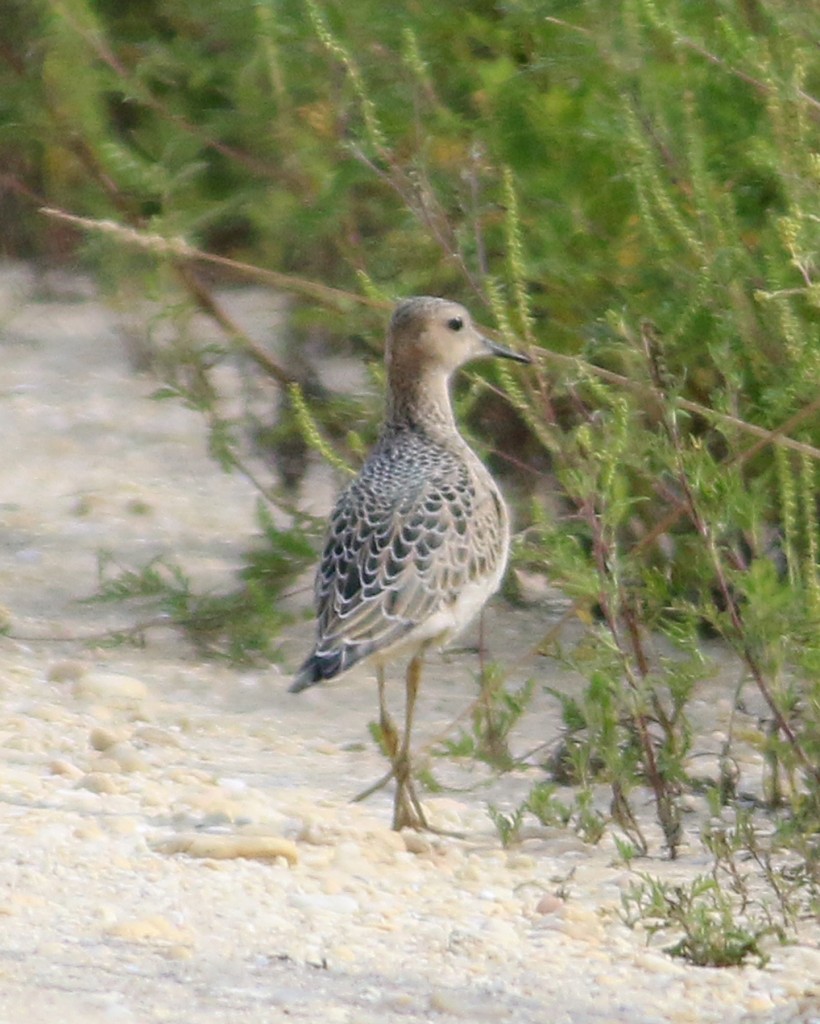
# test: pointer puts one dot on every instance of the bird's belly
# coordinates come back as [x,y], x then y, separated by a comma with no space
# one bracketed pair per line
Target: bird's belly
[449,620]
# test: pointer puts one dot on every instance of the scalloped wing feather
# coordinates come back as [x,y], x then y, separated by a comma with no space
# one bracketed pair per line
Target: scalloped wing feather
[389,566]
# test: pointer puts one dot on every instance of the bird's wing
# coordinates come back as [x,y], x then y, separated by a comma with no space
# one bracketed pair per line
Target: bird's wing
[388,565]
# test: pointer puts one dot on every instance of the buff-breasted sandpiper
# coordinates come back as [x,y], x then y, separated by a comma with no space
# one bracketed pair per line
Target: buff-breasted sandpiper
[418,542]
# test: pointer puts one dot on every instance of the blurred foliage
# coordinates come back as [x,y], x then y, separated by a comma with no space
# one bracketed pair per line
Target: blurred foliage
[664,155]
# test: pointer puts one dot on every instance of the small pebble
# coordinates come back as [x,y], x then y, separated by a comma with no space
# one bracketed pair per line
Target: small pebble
[549,904]
[112,689]
[154,736]
[128,758]
[151,928]
[223,847]
[416,842]
[101,739]
[65,768]
[98,782]
[66,671]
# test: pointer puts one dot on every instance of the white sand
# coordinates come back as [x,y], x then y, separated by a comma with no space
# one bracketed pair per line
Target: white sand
[115,761]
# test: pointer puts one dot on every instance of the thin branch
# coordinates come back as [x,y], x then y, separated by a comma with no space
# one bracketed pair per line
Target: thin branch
[421,201]
[208,304]
[737,459]
[178,247]
[690,44]
[707,534]
[338,298]
[757,83]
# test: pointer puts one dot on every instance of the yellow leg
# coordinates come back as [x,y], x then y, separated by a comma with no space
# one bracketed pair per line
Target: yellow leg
[407,809]
[390,734]
[389,738]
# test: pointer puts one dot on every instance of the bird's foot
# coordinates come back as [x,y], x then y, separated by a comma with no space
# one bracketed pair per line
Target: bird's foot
[408,813]
[407,809]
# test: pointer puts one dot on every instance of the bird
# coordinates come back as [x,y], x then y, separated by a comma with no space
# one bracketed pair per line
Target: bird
[419,540]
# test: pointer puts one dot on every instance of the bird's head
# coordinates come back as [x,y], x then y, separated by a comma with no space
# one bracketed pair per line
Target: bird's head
[429,336]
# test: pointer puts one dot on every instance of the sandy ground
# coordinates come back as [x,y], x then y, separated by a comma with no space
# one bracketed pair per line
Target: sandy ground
[132,778]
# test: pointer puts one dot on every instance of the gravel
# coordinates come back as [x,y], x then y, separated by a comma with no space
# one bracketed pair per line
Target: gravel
[178,841]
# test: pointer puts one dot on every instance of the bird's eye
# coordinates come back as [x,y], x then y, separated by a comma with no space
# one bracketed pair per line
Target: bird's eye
[455,324]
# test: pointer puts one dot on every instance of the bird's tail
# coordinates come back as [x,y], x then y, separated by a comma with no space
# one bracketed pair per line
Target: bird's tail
[328,664]
[308,675]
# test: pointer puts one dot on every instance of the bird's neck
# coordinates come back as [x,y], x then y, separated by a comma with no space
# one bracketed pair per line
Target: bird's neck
[422,403]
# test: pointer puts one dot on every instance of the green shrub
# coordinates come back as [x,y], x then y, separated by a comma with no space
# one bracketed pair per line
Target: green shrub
[628,189]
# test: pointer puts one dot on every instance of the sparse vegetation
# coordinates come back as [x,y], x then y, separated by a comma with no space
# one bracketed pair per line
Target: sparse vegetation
[241,624]
[704,915]
[629,190]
